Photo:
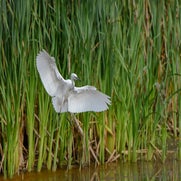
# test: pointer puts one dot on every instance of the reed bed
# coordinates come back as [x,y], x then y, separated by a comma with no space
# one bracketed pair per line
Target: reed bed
[128,49]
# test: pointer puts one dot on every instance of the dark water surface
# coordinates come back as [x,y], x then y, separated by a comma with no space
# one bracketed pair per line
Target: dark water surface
[170,170]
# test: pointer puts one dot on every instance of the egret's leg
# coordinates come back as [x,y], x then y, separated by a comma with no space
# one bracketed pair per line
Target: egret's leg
[77,125]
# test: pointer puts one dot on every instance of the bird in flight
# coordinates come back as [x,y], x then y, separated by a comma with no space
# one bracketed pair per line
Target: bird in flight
[65,96]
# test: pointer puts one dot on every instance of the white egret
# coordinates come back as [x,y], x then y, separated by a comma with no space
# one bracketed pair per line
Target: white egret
[65,96]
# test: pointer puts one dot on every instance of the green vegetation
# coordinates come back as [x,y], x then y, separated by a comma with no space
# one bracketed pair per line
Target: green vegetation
[129,50]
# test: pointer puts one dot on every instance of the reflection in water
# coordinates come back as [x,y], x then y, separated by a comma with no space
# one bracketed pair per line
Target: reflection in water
[171,170]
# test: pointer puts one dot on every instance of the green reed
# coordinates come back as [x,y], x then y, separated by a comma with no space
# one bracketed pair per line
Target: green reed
[129,50]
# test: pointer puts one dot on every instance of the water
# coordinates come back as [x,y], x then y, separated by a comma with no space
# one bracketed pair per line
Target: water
[170,170]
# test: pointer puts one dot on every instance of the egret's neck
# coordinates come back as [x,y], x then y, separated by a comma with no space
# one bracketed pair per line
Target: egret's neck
[73,82]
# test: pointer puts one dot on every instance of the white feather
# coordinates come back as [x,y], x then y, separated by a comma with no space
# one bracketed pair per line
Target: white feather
[49,74]
[66,97]
[59,105]
[87,98]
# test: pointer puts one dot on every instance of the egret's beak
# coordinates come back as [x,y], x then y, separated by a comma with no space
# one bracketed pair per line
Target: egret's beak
[77,78]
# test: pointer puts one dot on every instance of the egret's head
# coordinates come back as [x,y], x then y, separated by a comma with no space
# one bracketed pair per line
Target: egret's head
[74,77]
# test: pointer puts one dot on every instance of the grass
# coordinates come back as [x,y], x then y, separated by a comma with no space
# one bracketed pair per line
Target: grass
[129,50]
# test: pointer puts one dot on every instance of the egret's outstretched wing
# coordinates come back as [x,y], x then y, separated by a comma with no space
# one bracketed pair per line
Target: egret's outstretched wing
[49,74]
[87,98]
[66,97]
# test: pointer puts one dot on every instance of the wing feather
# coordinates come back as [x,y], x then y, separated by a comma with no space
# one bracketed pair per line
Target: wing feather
[87,98]
[49,74]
